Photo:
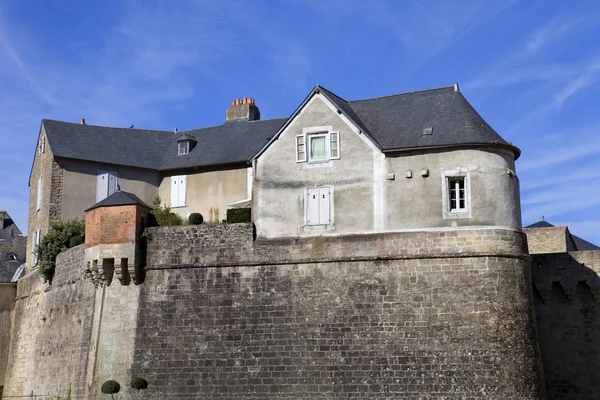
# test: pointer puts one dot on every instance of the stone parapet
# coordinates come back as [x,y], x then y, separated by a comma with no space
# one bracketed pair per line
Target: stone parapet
[232,244]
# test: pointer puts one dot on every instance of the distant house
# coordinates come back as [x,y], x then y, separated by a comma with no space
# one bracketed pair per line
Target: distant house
[412,161]
[12,249]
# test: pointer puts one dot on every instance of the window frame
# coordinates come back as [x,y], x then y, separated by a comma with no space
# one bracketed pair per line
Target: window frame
[186,149]
[38,203]
[303,144]
[448,178]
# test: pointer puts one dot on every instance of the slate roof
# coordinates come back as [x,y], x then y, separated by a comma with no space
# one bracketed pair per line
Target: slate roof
[230,143]
[119,199]
[393,123]
[580,244]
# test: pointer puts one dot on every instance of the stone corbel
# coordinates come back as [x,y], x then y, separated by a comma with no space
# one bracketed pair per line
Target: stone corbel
[543,288]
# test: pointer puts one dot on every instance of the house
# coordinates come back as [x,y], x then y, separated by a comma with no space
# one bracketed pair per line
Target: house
[77,165]
[12,249]
[412,161]
[419,160]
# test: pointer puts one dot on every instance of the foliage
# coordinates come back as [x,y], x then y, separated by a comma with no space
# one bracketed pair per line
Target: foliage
[62,235]
[110,387]
[163,214]
[195,219]
[237,215]
[139,383]
[213,216]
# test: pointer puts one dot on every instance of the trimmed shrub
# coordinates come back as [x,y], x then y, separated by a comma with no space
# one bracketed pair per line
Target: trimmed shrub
[110,387]
[63,235]
[195,219]
[162,215]
[139,384]
[238,215]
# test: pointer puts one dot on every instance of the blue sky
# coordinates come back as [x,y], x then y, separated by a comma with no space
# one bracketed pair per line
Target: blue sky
[531,69]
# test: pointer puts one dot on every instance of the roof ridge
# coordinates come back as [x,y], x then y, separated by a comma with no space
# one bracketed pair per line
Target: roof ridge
[223,124]
[103,126]
[402,94]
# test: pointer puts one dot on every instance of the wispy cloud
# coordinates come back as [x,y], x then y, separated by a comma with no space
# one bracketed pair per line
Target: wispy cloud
[552,30]
[572,87]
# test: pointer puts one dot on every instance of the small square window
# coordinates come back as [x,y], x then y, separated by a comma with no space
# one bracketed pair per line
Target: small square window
[183,147]
[318,146]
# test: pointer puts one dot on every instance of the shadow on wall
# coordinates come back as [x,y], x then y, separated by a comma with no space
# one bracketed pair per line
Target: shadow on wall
[567,305]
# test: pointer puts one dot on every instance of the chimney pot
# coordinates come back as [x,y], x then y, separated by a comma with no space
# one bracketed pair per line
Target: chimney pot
[82,121]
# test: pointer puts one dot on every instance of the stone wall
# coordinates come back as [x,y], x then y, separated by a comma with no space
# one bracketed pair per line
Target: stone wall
[552,239]
[426,314]
[567,305]
[7,304]
[70,336]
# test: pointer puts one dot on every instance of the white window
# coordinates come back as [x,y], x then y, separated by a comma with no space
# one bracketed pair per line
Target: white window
[318,206]
[39,194]
[456,194]
[106,184]
[178,189]
[41,146]
[318,146]
[35,241]
[183,147]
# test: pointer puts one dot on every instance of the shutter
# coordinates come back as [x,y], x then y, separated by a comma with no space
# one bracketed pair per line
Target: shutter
[182,189]
[39,194]
[112,183]
[334,145]
[174,191]
[101,186]
[313,206]
[300,148]
[324,215]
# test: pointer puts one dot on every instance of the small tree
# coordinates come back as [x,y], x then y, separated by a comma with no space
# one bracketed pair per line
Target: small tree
[62,235]
[163,214]
[139,384]
[110,387]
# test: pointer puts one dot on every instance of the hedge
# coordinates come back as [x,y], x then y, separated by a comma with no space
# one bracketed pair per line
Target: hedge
[239,215]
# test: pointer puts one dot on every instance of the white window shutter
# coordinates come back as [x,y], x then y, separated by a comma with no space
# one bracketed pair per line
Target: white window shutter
[101,186]
[174,191]
[324,214]
[182,189]
[312,203]
[39,194]
[112,183]
[334,145]
[300,148]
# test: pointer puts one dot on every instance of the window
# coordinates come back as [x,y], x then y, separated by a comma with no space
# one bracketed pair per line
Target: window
[178,190]
[183,147]
[35,241]
[456,194]
[106,184]
[39,195]
[318,206]
[456,185]
[41,146]
[317,146]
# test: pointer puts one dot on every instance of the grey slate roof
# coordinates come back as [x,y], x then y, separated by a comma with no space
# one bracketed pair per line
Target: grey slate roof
[393,123]
[119,199]
[580,244]
[232,142]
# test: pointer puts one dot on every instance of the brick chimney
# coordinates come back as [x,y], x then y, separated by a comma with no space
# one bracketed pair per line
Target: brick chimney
[243,109]
[82,121]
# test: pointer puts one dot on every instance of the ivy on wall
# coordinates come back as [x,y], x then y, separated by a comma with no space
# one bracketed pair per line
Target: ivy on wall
[63,235]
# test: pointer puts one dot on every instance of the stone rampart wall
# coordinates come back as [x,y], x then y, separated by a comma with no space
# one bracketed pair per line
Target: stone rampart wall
[423,314]
[567,305]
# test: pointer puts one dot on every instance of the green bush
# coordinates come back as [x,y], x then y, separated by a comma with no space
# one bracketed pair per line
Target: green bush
[163,214]
[110,387]
[139,384]
[195,219]
[238,215]
[62,235]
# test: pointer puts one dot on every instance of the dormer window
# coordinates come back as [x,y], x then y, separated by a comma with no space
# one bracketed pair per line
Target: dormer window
[185,144]
[183,147]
